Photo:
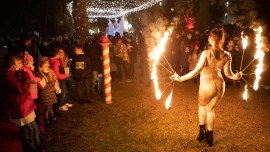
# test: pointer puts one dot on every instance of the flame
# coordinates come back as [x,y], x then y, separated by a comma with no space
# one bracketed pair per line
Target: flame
[245,94]
[168,101]
[259,56]
[244,41]
[155,55]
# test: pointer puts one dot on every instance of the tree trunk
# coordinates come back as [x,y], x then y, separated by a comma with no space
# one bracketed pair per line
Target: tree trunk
[81,20]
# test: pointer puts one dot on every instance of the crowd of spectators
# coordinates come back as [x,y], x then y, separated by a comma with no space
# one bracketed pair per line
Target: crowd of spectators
[37,72]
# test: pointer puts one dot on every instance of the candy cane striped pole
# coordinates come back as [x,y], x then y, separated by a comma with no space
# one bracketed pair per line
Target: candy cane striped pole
[106,69]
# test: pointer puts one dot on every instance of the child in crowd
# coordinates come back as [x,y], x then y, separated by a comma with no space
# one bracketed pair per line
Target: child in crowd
[47,93]
[58,67]
[18,103]
[29,68]
[65,62]
[81,71]
[121,59]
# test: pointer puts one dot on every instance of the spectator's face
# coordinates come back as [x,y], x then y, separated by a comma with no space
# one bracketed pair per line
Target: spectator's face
[231,43]
[28,42]
[119,42]
[186,49]
[77,50]
[230,48]
[17,65]
[189,36]
[45,67]
[196,47]
[61,54]
[128,39]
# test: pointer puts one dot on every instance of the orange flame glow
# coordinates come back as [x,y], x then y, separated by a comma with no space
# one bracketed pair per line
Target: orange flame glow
[259,56]
[168,101]
[245,96]
[155,55]
[244,41]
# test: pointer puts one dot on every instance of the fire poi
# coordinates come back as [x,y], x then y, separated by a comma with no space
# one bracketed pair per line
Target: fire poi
[155,56]
[258,56]
[157,53]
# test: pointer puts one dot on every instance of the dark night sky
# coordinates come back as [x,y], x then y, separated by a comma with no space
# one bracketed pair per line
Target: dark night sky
[9,8]
[263,10]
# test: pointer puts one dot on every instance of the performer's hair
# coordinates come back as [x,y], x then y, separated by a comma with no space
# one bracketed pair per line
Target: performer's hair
[218,35]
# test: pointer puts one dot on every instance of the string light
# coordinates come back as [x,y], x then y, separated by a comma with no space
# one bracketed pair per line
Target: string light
[113,9]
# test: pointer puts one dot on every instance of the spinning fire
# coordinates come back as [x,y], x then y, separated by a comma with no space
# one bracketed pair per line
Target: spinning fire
[158,51]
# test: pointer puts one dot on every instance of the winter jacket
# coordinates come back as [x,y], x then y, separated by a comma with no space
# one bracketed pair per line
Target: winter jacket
[81,67]
[120,52]
[47,95]
[17,99]
[58,68]
[94,51]
[33,83]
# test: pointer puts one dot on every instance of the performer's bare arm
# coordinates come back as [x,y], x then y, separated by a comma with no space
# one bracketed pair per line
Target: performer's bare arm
[194,72]
[228,71]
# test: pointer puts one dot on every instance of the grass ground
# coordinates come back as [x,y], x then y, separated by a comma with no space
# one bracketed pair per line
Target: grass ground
[137,122]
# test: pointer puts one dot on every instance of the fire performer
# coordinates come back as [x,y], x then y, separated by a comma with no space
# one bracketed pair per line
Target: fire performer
[212,85]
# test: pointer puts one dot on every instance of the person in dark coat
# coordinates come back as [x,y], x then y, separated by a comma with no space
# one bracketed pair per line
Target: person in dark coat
[94,52]
[81,72]
[26,48]
[18,103]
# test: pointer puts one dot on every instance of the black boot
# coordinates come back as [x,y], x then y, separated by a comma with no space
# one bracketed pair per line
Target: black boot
[209,138]
[201,133]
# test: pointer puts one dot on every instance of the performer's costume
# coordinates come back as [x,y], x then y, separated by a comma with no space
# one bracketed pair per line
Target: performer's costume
[212,85]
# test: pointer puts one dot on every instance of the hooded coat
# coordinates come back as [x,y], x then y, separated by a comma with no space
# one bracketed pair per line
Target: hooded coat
[17,99]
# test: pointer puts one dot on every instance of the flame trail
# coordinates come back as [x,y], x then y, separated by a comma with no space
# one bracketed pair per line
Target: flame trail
[168,101]
[245,94]
[259,56]
[155,55]
[245,43]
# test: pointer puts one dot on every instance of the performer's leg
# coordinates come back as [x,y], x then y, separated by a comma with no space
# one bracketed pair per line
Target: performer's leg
[210,126]
[210,119]
[202,120]
[202,115]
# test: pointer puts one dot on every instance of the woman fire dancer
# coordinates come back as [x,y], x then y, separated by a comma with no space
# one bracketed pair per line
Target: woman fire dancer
[212,85]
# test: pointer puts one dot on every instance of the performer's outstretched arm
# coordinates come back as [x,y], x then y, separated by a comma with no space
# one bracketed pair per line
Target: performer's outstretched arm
[228,70]
[194,72]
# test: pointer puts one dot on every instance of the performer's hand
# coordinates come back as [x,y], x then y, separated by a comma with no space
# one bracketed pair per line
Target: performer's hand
[238,75]
[175,77]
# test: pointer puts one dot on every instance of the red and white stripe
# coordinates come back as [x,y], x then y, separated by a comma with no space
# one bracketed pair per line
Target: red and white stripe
[107,72]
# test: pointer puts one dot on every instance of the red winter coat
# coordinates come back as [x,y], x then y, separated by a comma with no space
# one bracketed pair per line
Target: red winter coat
[35,79]
[55,64]
[17,100]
